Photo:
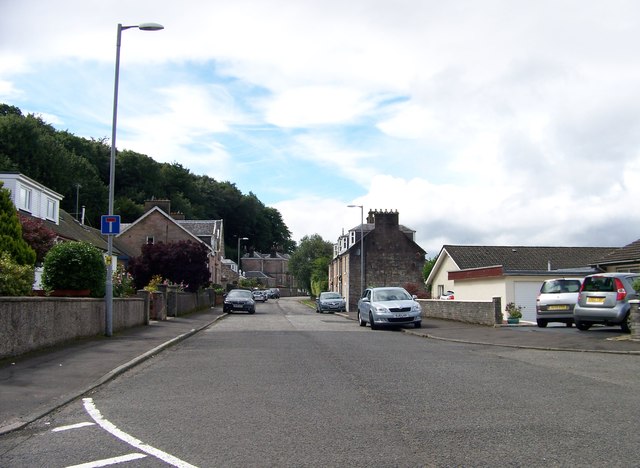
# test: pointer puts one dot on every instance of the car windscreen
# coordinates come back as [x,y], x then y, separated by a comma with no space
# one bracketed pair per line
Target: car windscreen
[560,286]
[382,295]
[599,283]
[330,296]
[239,294]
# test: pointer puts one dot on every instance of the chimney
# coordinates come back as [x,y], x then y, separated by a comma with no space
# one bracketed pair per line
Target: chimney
[164,205]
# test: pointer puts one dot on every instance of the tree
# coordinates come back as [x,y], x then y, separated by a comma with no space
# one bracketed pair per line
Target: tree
[183,262]
[301,263]
[11,240]
[428,266]
[38,236]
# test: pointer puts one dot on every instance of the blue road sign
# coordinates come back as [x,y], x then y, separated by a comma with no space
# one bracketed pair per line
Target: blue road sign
[110,224]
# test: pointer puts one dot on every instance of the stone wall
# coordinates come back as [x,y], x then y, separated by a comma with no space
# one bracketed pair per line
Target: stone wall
[480,312]
[31,323]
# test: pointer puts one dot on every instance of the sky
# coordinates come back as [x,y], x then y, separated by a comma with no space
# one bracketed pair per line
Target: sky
[482,122]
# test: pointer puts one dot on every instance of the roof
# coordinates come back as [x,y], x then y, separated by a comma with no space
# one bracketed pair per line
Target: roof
[522,258]
[68,228]
[628,254]
[201,227]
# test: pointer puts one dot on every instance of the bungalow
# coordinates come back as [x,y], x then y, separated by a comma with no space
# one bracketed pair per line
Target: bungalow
[513,273]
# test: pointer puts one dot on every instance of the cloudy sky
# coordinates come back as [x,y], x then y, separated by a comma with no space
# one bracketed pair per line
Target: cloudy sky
[493,122]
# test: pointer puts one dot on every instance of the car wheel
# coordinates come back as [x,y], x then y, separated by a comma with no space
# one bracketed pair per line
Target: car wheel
[317,311]
[252,311]
[541,323]
[360,321]
[626,323]
[418,324]
[582,326]
[371,322]
[569,324]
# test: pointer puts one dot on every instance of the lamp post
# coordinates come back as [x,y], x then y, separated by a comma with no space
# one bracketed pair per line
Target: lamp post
[112,171]
[240,239]
[361,245]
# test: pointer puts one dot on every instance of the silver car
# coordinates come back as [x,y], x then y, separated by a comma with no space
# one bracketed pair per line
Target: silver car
[388,306]
[604,299]
[556,301]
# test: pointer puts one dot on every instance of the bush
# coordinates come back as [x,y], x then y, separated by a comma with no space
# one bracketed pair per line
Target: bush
[75,265]
[15,280]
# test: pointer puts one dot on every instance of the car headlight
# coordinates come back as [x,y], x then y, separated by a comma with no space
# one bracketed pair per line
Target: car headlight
[416,308]
[381,310]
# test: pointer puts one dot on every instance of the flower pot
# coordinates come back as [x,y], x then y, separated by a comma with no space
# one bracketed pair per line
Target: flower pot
[512,320]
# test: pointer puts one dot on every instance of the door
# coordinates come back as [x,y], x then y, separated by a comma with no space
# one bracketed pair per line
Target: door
[526,293]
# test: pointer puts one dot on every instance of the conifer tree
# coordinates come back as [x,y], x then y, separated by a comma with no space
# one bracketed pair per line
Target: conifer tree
[11,240]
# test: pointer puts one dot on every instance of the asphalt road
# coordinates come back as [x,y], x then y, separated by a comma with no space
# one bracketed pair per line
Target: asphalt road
[288,387]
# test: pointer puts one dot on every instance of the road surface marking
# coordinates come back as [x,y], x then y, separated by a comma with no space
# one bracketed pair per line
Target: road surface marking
[72,426]
[113,430]
[110,461]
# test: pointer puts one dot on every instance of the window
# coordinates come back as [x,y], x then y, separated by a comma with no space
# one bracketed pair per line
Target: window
[51,209]
[440,290]
[150,240]
[352,237]
[25,199]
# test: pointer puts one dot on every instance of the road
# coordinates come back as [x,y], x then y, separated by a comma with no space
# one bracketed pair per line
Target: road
[289,387]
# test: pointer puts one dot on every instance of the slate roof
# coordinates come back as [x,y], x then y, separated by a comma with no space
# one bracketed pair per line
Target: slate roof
[68,228]
[201,227]
[627,254]
[521,258]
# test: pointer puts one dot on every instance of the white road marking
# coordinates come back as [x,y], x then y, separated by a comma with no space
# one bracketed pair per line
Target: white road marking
[72,426]
[110,461]
[113,430]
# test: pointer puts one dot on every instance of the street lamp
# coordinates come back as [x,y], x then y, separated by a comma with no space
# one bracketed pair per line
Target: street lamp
[112,174]
[240,239]
[361,244]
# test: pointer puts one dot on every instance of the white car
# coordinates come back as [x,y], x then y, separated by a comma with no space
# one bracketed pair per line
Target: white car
[388,306]
[449,295]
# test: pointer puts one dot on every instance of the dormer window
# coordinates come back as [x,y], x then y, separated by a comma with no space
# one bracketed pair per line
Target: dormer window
[25,199]
[51,209]
[150,240]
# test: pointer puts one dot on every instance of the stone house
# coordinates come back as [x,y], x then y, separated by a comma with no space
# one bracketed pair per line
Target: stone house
[157,224]
[391,257]
[272,269]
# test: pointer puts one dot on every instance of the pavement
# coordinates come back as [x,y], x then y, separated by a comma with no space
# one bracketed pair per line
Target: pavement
[36,384]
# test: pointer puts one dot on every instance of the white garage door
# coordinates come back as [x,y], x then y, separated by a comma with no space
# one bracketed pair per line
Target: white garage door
[526,293]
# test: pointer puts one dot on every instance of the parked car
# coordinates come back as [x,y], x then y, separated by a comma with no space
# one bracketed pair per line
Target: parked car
[239,299]
[449,295]
[604,299]
[260,295]
[274,293]
[330,302]
[388,306]
[556,301]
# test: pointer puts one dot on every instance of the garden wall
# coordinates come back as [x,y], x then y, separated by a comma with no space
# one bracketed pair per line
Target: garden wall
[31,323]
[480,312]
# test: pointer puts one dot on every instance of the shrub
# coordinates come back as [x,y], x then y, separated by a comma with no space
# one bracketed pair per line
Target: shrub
[15,280]
[75,265]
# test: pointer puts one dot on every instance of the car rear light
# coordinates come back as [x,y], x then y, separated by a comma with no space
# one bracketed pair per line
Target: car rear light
[622,293]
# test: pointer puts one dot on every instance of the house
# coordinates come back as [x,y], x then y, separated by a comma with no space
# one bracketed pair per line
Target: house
[158,225]
[31,197]
[624,259]
[271,270]
[513,273]
[390,257]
